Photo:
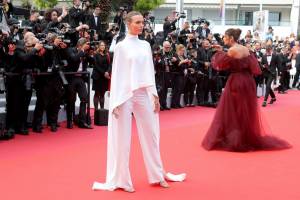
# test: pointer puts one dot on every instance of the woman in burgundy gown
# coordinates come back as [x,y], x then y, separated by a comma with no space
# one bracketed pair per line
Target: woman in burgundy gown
[237,124]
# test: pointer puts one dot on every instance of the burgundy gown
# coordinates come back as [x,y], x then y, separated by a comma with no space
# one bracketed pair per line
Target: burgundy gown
[237,124]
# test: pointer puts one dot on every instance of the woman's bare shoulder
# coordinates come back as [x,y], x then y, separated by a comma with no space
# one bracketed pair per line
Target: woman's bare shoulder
[238,52]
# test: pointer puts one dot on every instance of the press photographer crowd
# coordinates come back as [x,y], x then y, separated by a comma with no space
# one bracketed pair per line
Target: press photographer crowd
[50,55]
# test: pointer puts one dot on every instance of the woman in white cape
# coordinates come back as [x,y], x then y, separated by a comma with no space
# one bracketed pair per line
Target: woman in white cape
[133,90]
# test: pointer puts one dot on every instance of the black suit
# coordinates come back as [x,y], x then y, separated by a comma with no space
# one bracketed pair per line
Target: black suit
[297,65]
[269,73]
[259,78]
[18,95]
[199,30]
[49,91]
[285,64]
[206,79]
[75,16]
[76,85]
[168,27]
[91,21]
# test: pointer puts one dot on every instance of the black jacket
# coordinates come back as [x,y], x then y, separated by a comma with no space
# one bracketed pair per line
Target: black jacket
[273,66]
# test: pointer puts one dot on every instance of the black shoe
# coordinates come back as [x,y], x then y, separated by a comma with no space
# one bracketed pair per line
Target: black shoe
[37,129]
[53,128]
[272,101]
[9,134]
[85,125]
[22,131]
[264,104]
[192,105]
[162,108]
[167,108]
[283,92]
[69,124]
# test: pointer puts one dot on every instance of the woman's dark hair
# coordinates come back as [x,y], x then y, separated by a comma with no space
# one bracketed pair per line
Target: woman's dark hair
[49,12]
[234,32]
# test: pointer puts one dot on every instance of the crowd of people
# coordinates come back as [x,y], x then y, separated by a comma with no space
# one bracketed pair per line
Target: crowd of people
[71,40]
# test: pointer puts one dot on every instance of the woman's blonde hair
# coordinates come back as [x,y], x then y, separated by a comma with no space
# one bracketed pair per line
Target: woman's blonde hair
[180,47]
[132,14]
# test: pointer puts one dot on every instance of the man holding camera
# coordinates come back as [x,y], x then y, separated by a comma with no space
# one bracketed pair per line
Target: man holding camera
[49,89]
[169,25]
[203,30]
[206,79]
[77,58]
[19,87]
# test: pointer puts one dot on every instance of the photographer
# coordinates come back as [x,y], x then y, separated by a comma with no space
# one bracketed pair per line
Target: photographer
[49,89]
[190,78]
[120,20]
[77,62]
[206,79]
[19,88]
[33,22]
[4,66]
[77,14]
[183,35]
[177,70]
[285,58]
[148,35]
[203,30]
[164,61]
[169,25]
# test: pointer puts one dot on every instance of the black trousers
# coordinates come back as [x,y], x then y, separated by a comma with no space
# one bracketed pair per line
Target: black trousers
[269,79]
[163,83]
[200,89]
[49,96]
[17,103]
[296,78]
[189,90]
[177,89]
[204,86]
[283,81]
[77,86]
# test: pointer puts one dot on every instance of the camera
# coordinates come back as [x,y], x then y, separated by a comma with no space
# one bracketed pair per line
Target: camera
[200,21]
[93,45]
[181,15]
[123,8]
[152,19]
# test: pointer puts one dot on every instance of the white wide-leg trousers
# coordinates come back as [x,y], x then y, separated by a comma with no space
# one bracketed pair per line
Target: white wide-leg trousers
[119,140]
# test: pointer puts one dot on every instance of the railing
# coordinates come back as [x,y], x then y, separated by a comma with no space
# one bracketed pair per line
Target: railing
[237,22]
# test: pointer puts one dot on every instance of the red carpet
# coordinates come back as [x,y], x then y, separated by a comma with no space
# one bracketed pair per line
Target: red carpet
[63,166]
